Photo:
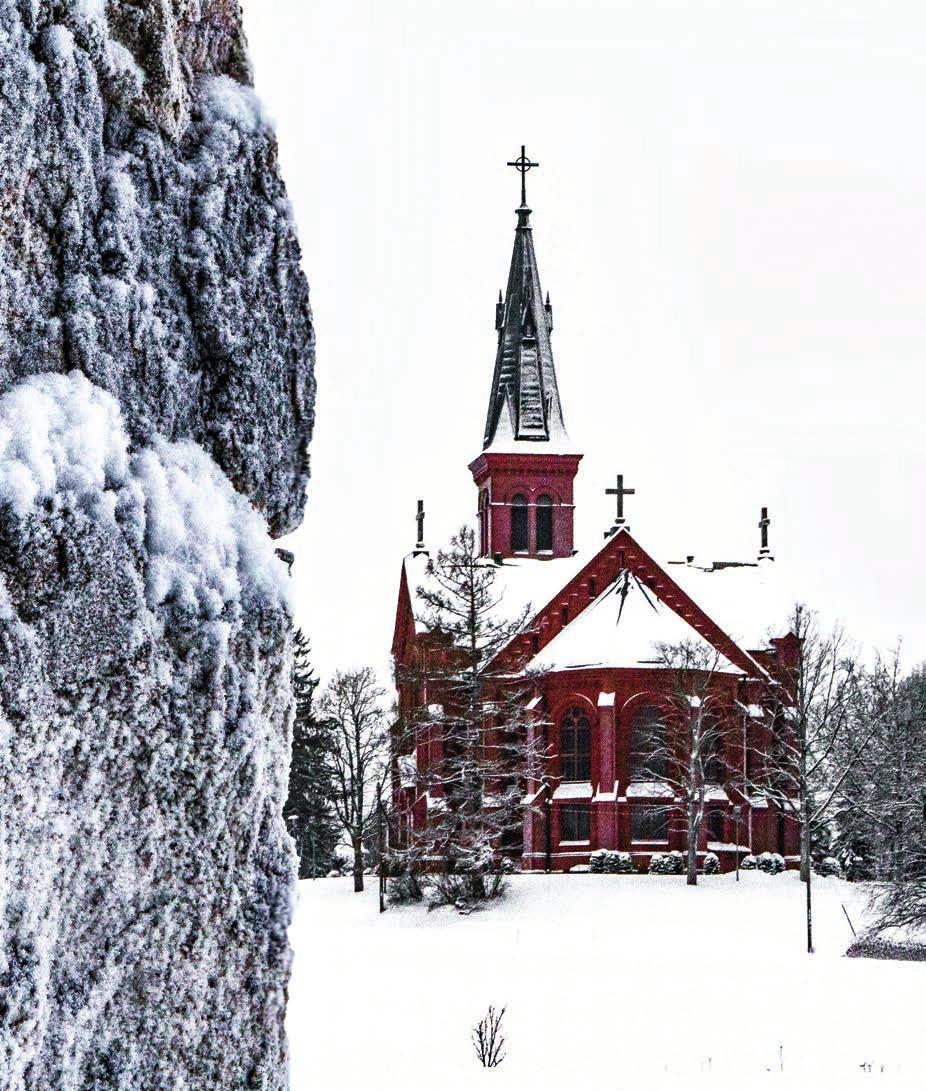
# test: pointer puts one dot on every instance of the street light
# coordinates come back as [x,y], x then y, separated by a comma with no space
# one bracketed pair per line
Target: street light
[737,815]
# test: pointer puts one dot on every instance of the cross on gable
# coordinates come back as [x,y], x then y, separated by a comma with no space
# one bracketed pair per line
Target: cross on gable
[523,164]
[764,523]
[620,492]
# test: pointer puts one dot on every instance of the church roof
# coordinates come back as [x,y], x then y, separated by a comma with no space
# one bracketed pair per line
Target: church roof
[524,405]
[734,608]
[623,627]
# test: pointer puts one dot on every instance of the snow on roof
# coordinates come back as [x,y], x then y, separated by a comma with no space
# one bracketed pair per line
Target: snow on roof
[573,790]
[750,602]
[609,634]
[519,583]
[754,712]
[716,795]
[649,789]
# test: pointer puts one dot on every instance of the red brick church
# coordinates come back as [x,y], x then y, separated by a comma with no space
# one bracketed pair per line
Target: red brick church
[597,688]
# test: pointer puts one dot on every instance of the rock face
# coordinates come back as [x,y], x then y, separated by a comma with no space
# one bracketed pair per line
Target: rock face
[156,401]
[145,236]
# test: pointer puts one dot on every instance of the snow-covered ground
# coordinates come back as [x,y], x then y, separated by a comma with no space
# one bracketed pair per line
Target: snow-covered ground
[610,982]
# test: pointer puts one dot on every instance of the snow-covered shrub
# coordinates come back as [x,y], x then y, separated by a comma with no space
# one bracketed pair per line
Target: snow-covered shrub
[596,861]
[874,946]
[772,863]
[749,863]
[619,863]
[667,863]
[579,869]
[829,865]
[711,863]
[404,889]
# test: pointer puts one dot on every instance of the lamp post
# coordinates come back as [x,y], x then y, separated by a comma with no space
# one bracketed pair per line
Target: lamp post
[737,815]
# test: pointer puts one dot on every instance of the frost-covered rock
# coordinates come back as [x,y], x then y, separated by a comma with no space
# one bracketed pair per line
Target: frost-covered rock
[145,872]
[156,400]
[145,236]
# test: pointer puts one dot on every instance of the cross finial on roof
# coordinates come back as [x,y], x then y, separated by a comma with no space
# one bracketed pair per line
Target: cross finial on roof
[620,492]
[419,545]
[523,164]
[764,522]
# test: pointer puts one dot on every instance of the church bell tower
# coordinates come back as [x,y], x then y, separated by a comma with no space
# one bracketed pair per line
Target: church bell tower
[527,467]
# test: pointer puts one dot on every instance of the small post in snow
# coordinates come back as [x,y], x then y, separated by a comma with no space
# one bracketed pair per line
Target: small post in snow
[737,815]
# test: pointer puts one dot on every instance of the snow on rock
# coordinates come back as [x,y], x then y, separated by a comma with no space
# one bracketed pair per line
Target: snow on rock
[146,238]
[156,402]
[145,872]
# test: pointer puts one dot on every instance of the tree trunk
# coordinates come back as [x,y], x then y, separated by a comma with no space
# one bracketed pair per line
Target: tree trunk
[693,832]
[806,871]
[358,864]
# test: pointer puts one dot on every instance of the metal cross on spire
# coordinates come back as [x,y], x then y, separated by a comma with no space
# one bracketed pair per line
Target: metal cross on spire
[419,518]
[523,164]
[620,492]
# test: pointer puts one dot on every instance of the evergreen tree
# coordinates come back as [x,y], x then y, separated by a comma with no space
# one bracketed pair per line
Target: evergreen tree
[308,810]
[485,747]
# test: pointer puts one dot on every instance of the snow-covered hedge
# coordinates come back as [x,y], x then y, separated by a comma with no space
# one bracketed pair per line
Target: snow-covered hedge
[749,863]
[667,863]
[772,863]
[611,862]
[829,865]
[711,864]
[877,947]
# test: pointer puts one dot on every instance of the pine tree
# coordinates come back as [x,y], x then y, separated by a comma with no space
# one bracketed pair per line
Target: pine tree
[484,745]
[308,811]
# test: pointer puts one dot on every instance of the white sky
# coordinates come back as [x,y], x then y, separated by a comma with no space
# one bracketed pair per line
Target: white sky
[730,217]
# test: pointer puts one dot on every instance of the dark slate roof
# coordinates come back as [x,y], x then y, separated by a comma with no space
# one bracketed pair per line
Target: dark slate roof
[524,402]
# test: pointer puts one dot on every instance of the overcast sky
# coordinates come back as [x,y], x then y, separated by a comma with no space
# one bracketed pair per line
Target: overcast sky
[730,218]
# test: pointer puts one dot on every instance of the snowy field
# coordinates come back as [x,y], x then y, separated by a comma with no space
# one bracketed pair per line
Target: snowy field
[610,982]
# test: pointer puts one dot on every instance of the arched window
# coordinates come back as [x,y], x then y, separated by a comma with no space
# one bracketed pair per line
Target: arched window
[647,745]
[544,524]
[519,538]
[484,522]
[575,745]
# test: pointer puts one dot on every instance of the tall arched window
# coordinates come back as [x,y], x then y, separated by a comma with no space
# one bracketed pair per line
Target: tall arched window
[484,522]
[647,745]
[575,745]
[544,524]
[519,536]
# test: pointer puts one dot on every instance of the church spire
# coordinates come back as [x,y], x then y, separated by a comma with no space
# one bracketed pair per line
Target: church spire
[524,402]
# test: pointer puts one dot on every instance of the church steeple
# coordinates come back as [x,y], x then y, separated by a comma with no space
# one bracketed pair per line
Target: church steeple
[524,404]
[526,470]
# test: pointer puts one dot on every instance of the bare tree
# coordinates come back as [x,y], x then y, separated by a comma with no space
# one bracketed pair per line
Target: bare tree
[884,806]
[353,701]
[488,1040]
[821,727]
[879,819]
[480,739]
[684,752]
